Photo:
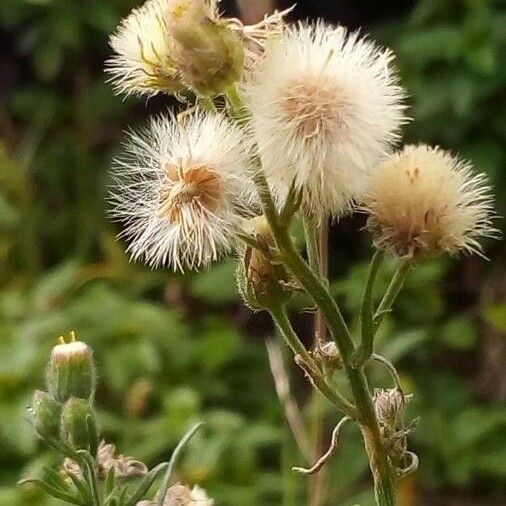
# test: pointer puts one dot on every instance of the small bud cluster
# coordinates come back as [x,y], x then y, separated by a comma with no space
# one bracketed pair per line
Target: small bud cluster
[65,411]
[328,355]
[92,471]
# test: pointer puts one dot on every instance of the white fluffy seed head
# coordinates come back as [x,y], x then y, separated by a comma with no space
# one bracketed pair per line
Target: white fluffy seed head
[326,106]
[422,200]
[143,46]
[181,190]
[174,45]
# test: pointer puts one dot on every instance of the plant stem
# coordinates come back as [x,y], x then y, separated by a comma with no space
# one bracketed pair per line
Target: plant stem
[379,463]
[364,413]
[366,348]
[285,327]
[316,235]
[392,292]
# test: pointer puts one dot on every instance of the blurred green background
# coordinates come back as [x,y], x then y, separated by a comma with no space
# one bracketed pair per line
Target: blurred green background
[171,350]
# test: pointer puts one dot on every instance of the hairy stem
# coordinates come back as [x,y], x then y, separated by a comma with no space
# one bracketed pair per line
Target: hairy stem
[366,348]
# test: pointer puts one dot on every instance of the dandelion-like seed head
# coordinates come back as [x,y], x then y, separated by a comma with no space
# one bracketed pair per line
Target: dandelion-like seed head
[423,200]
[326,106]
[181,190]
[174,45]
[143,48]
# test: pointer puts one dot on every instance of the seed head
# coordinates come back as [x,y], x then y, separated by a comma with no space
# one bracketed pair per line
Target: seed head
[422,200]
[181,189]
[172,45]
[326,106]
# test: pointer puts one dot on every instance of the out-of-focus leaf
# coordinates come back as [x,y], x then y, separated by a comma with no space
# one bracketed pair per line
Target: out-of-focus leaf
[495,314]
[458,333]
[217,285]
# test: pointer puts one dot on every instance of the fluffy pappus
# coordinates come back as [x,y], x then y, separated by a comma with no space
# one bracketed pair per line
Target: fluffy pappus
[181,190]
[326,106]
[143,46]
[423,200]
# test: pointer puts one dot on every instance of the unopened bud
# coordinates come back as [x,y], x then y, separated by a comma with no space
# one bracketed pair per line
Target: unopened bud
[261,280]
[209,54]
[71,372]
[78,424]
[46,413]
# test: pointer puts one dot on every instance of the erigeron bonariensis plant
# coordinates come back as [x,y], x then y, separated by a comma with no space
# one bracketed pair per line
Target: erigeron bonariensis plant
[287,124]
[92,472]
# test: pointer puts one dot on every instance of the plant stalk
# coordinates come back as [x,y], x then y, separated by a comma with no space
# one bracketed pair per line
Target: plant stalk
[392,292]
[366,348]
[312,283]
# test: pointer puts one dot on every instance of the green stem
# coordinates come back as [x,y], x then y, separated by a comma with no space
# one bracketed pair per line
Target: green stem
[380,465]
[88,467]
[392,292]
[238,109]
[309,226]
[366,348]
[281,319]
[365,413]
[207,103]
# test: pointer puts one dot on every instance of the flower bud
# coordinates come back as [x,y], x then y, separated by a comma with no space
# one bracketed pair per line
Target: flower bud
[71,372]
[261,280]
[77,419]
[209,55]
[46,413]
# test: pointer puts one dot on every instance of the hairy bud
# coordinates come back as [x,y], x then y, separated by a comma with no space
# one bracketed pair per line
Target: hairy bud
[78,424]
[261,280]
[208,53]
[389,405]
[71,372]
[46,413]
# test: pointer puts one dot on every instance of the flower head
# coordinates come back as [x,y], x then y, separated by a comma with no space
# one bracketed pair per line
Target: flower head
[171,45]
[325,106]
[181,190]
[143,61]
[424,200]
[107,459]
[71,371]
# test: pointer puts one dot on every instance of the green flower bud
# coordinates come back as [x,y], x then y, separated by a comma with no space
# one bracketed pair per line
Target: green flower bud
[71,372]
[46,413]
[261,281]
[78,424]
[208,54]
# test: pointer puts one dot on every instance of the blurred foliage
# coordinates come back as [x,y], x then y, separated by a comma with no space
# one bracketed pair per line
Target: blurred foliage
[171,349]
